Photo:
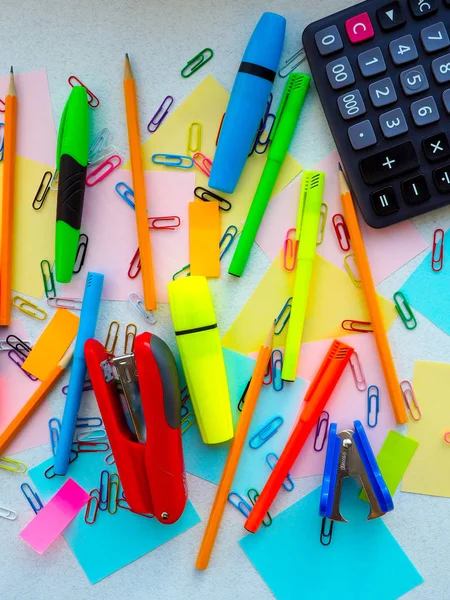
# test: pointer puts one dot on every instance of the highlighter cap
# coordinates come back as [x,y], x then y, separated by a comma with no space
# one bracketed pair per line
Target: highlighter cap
[265,46]
[191,303]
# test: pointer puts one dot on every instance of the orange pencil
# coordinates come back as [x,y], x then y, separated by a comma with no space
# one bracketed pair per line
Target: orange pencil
[140,201]
[9,165]
[234,454]
[370,294]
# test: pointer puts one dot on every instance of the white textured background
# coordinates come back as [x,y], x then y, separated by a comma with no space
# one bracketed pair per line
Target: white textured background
[88,38]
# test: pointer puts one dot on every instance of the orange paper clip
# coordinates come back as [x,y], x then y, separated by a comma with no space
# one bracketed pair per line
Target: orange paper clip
[359,326]
[290,250]
[410,399]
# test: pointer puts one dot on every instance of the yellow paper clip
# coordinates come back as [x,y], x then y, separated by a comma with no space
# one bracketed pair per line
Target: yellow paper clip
[112,337]
[322,222]
[13,465]
[352,270]
[410,399]
[24,305]
[194,136]
[188,420]
[130,336]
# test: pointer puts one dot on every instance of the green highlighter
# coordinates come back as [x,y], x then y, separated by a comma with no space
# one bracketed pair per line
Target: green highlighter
[280,138]
[71,164]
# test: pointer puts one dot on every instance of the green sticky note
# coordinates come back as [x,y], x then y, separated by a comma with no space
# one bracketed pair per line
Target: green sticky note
[393,459]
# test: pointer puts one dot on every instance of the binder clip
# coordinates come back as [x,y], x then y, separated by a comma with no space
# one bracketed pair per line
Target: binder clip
[349,455]
[143,423]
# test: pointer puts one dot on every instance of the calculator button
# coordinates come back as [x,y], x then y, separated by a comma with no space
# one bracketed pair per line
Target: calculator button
[391,16]
[359,28]
[422,8]
[441,178]
[351,105]
[414,81]
[362,135]
[384,202]
[436,147]
[403,50]
[328,40]
[415,190]
[441,68]
[446,100]
[393,123]
[371,62]
[340,73]
[435,37]
[389,163]
[382,92]
[424,111]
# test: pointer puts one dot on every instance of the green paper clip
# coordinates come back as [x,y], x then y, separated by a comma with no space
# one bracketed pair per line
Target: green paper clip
[48,279]
[197,62]
[404,310]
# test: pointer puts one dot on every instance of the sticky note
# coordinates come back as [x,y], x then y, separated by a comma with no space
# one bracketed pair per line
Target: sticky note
[51,520]
[393,459]
[52,344]
[204,238]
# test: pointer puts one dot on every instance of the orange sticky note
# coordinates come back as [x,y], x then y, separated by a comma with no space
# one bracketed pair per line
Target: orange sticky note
[204,238]
[52,344]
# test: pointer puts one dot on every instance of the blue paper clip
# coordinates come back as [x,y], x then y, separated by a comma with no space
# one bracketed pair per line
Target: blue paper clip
[227,240]
[241,504]
[271,460]
[373,392]
[286,313]
[33,499]
[104,490]
[173,160]
[54,428]
[266,432]
[88,422]
[125,192]
[277,365]
[260,144]
[2,144]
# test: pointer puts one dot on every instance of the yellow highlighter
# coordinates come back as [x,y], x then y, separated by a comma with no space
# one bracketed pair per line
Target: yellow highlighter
[307,228]
[198,340]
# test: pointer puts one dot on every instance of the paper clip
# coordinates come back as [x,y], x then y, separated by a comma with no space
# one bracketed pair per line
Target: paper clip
[111,337]
[266,132]
[2,142]
[227,240]
[135,265]
[357,372]
[97,145]
[184,412]
[50,473]
[352,270]
[220,129]
[103,170]
[242,398]
[83,447]
[69,303]
[325,536]
[23,347]
[271,460]
[160,114]
[359,326]
[322,222]
[184,271]
[110,460]
[341,231]
[204,164]
[122,503]
[170,223]
[321,431]
[88,422]
[55,181]
[104,489]
[81,253]
[288,67]
[412,406]
[195,129]
[184,395]
[87,387]
[195,63]
[43,189]
[2,105]
[286,313]
[125,192]
[92,507]
[93,101]
[8,513]
[208,196]
[139,305]
[266,432]
[173,160]
[8,464]
[130,336]
[24,305]
[18,360]
[33,499]
[404,310]
[373,392]
[437,262]
[253,496]
[277,365]
[48,279]
[113,493]
[268,375]
[240,503]
[188,420]
[290,249]
[54,429]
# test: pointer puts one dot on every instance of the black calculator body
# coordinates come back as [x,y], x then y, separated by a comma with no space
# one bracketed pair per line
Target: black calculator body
[382,71]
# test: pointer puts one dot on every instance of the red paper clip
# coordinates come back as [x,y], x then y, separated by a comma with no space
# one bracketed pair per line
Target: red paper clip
[103,170]
[359,326]
[2,107]
[438,240]
[220,128]
[341,231]
[152,222]
[268,376]
[135,266]
[204,165]
[290,250]
[93,101]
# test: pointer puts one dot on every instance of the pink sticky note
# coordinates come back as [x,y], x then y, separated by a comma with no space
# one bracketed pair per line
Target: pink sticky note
[388,249]
[51,520]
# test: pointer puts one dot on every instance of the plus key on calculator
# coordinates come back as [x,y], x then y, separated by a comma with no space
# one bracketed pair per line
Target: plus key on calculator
[382,70]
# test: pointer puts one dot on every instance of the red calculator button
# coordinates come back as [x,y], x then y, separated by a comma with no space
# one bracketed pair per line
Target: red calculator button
[359,28]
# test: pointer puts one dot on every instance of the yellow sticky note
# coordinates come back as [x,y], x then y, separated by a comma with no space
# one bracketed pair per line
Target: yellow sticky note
[52,344]
[429,468]
[206,105]
[332,299]
[204,238]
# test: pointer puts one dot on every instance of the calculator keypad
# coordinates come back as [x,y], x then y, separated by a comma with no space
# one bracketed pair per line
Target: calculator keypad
[422,8]
[436,147]
[382,92]
[371,62]
[362,135]
[351,105]
[393,123]
[391,16]
[415,190]
[441,178]
[403,50]
[435,38]
[441,68]
[359,28]
[389,163]
[384,201]
[340,74]
[329,41]
[424,111]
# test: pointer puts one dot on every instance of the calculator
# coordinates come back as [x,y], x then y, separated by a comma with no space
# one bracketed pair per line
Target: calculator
[382,71]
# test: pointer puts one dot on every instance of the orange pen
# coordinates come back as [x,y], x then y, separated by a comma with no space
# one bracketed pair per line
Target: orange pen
[370,294]
[140,201]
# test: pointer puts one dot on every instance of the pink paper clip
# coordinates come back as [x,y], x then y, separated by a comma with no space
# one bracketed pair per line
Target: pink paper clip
[68,303]
[103,170]
[410,399]
[341,231]
[290,250]
[357,372]
[438,245]
[2,105]
[93,101]
[176,222]
[135,266]
[321,431]
[160,114]
[205,164]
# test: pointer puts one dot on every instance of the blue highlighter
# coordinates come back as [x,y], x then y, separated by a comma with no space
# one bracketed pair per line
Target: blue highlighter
[248,101]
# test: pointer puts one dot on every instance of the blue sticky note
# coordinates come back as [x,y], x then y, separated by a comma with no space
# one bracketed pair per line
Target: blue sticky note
[427,291]
[113,541]
[363,559]
[208,461]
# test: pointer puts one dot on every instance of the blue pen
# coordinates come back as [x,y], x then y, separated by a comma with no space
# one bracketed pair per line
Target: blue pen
[248,101]
[86,330]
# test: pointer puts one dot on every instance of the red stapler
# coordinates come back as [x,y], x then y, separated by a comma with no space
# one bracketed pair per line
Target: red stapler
[145,430]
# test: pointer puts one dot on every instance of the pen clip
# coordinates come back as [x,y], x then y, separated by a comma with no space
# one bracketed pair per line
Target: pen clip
[280,111]
[62,125]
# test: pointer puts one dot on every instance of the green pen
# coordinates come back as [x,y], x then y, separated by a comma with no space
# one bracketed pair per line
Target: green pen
[71,164]
[280,138]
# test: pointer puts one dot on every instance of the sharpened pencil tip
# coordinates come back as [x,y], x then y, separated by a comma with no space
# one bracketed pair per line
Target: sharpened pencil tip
[340,167]
[128,73]
[12,70]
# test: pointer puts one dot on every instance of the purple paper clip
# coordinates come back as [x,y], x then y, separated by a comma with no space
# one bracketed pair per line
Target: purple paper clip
[164,109]
[18,360]
[321,431]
